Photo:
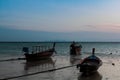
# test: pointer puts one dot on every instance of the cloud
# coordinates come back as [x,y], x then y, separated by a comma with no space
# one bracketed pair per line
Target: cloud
[62,16]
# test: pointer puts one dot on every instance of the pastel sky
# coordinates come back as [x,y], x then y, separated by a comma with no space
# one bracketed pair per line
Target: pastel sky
[61,15]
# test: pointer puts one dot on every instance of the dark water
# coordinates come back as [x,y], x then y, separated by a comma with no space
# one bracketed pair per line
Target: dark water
[15,48]
[21,67]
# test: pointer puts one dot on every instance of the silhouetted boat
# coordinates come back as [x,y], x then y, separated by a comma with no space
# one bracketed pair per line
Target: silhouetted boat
[38,53]
[75,49]
[90,64]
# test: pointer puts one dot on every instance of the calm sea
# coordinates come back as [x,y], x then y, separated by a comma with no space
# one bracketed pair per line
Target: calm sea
[14,49]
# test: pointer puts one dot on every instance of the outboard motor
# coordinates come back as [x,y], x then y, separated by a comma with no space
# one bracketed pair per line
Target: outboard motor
[25,49]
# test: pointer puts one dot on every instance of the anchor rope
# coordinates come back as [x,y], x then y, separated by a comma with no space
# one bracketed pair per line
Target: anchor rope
[12,59]
[37,72]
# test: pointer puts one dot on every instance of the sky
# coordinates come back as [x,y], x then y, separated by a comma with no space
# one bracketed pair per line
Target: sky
[58,17]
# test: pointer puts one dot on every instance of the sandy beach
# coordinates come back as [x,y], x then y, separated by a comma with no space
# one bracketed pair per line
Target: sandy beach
[108,71]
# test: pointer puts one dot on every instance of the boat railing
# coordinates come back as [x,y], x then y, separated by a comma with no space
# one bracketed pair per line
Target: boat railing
[36,49]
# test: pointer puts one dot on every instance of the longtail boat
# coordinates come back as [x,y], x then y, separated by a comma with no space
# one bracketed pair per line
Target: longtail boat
[90,64]
[75,49]
[38,53]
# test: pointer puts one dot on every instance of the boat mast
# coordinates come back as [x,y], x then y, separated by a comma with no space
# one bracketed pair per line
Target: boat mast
[93,51]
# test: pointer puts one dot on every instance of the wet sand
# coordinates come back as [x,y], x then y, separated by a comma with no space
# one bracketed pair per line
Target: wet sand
[110,70]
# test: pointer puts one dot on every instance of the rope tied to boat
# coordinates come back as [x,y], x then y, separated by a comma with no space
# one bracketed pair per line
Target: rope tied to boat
[38,72]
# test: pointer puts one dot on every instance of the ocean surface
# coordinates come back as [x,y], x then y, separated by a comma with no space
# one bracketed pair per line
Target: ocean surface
[109,52]
[14,49]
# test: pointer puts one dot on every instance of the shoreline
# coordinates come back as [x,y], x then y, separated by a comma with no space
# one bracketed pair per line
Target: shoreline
[107,71]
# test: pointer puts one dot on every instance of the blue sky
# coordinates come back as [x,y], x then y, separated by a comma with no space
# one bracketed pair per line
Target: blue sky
[102,16]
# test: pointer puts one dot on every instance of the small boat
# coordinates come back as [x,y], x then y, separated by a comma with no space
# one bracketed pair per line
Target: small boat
[38,53]
[90,64]
[75,49]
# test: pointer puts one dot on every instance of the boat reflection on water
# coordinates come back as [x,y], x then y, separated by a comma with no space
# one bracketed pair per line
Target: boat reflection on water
[75,59]
[40,65]
[92,76]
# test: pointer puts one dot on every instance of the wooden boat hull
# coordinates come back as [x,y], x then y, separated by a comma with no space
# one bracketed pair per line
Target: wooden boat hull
[89,67]
[75,51]
[90,64]
[39,56]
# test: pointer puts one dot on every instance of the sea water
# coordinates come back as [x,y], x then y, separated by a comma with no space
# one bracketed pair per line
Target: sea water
[9,49]
[109,52]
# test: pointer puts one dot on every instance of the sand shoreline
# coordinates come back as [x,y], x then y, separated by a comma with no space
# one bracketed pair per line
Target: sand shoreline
[107,71]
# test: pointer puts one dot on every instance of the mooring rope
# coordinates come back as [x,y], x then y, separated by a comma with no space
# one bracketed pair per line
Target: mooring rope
[37,73]
[12,59]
